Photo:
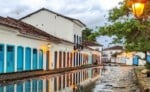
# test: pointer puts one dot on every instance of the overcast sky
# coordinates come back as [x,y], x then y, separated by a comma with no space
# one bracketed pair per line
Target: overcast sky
[90,12]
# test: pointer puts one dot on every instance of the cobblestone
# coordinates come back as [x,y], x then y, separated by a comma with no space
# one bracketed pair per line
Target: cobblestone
[117,79]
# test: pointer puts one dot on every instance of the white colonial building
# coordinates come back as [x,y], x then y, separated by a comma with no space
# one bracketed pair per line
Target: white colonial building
[109,52]
[131,58]
[42,40]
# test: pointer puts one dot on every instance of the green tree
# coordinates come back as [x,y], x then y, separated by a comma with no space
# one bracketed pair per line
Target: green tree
[133,33]
[86,35]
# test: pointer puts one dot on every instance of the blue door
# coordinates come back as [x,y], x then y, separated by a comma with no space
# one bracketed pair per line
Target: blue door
[135,60]
[1,89]
[1,58]
[148,58]
[19,87]
[40,86]
[41,59]
[10,59]
[20,58]
[28,59]
[34,86]
[27,86]
[34,59]
[10,88]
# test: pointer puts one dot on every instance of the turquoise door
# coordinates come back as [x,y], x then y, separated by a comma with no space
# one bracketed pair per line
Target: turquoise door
[27,86]
[40,86]
[19,87]
[34,86]
[1,58]
[10,59]
[41,59]
[1,89]
[135,60]
[10,88]
[20,58]
[34,59]
[28,59]
[148,58]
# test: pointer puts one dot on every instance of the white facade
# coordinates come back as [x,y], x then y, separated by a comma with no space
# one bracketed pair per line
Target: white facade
[128,58]
[109,53]
[61,27]
[99,48]
[55,25]
[10,36]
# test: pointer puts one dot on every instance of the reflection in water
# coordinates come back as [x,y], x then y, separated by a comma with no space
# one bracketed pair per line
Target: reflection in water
[74,81]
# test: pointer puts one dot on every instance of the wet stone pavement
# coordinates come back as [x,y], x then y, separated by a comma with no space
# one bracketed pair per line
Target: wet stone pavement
[117,79]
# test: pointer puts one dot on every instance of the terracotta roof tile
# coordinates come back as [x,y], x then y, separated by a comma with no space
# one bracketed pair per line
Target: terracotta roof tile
[25,28]
[114,48]
[89,43]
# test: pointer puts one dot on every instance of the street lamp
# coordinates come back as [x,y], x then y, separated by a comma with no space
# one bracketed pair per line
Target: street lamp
[138,7]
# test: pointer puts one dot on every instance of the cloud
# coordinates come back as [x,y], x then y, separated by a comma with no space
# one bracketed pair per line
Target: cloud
[90,12]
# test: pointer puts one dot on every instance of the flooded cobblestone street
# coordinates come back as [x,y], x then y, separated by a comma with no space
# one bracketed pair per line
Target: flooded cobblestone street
[117,79]
[97,79]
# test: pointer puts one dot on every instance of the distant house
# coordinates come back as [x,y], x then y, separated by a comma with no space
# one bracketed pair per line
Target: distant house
[93,45]
[96,54]
[131,58]
[108,53]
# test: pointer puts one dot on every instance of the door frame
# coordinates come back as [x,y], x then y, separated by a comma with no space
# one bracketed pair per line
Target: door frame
[2,71]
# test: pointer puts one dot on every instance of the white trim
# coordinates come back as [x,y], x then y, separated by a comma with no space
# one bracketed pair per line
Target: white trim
[15,87]
[23,86]
[38,52]
[24,53]
[5,56]
[31,87]
[15,58]
[31,59]
[62,63]
[4,88]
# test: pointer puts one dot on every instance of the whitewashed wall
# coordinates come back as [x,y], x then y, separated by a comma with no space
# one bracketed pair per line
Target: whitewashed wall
[64,47]
[109,53]
[142,55]
[55,25]
[129,61]
[77,29]
[96,47]
[9,36]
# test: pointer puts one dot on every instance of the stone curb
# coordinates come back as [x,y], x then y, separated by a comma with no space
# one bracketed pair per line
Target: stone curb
[139,84]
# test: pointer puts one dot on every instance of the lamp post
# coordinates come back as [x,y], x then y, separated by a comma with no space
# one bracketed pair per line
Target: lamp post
[138,7]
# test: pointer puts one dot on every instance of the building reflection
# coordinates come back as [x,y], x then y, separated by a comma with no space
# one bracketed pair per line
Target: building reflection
[68,82]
